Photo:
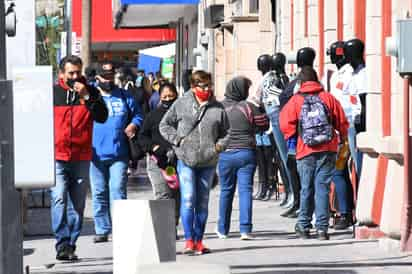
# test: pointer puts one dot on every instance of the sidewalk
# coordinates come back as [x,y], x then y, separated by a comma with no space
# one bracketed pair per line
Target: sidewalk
[275,250]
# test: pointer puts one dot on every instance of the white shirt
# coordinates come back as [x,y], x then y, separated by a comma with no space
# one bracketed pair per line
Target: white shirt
[340,88]
[357,86]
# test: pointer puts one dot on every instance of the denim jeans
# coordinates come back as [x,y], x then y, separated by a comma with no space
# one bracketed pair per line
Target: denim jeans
[68,200]
[315,171]
[108,183]
[357,156]
[195,183]
[236,167]
[281,145]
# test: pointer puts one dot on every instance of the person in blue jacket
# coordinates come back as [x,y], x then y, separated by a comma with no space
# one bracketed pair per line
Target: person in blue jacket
[108,169]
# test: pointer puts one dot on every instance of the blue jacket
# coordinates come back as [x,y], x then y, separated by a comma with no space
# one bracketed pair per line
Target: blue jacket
[109,140]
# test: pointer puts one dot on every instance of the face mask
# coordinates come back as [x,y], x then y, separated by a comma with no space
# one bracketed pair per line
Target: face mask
[167,104]
[202,95]
[106,86]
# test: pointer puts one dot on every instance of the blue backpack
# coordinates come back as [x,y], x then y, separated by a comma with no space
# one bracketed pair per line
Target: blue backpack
[315,125]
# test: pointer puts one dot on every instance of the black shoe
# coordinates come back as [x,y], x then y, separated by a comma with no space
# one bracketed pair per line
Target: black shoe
[72,255]
[100,238]
[302,233]
[288,211]
[63,254]
[294,214]
[343,222]
[322,235]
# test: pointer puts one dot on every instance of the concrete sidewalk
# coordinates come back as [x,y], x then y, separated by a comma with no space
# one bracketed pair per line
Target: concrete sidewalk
[274,250]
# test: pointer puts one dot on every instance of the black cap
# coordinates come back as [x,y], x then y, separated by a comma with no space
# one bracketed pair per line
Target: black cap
[336,52]
[354,49]
[264,63]
[279,61]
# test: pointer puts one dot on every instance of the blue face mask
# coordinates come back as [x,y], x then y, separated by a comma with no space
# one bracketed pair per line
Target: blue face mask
[139,81]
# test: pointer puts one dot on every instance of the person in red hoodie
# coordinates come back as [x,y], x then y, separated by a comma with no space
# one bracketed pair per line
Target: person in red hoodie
[76,106]
[320,122]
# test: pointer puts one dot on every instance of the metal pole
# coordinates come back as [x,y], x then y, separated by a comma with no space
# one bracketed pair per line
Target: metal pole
[11,232]
[3,62]
[86,31]
[68,15]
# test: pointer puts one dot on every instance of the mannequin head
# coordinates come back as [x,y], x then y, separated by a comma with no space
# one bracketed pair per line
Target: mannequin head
[279,62]
[305,57]
[264,63]
[336,53]
[354,50]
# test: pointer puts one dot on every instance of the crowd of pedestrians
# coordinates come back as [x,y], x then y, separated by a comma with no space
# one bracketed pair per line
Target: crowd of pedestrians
[299,133]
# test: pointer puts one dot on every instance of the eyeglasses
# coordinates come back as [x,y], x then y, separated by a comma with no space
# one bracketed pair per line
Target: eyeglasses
[204,86]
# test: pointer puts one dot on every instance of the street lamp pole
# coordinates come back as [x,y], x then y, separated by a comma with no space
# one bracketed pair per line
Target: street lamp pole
[68,20]
[11,228]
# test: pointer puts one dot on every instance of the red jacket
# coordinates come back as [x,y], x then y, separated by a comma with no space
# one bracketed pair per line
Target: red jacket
[73,123]
[289,118]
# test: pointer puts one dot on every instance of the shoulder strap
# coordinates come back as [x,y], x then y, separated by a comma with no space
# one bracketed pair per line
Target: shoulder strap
[198,120]
[129,112]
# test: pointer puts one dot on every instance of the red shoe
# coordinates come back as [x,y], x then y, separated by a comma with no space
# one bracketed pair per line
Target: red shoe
[201,249]
[189,247]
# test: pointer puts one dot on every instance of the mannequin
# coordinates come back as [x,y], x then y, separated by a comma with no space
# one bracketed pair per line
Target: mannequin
[339,83]
[268,94]
[267,167]
[354,52]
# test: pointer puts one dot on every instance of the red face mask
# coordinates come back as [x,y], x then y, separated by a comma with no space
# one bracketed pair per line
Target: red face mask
[201,94]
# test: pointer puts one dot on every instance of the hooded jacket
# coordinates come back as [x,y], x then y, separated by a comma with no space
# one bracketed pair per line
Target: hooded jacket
[245,118]
[73,122]
[109,140]
[290,114]
[195,146]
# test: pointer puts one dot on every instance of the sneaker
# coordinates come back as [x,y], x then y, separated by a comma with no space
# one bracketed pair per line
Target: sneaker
[302,233]
[63,254]
[220,235]
[100,238]
[189,247]
[322,235]
[72,255]
[201,249]
[246,236]
[343,222]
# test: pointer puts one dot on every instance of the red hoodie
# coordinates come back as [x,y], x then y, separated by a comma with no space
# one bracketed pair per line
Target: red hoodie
[289,118]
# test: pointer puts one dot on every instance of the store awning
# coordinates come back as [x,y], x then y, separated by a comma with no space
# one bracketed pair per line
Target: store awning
[151,13]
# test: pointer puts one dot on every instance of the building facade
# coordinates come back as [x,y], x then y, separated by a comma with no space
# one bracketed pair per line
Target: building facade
[287,25]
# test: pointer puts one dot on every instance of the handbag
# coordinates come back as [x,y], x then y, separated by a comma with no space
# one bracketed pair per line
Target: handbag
[136,153]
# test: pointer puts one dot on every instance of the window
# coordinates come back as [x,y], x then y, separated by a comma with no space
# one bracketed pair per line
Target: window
[253,6]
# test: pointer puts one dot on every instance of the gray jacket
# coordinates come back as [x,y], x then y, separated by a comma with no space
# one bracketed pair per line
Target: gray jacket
[196,147]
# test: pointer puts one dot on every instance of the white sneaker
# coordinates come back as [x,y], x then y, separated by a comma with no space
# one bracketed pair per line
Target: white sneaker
[246,236]
[220,235]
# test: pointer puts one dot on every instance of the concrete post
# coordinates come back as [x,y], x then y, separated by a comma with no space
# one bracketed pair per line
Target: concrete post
[11,249]
[68,26]
[86,32]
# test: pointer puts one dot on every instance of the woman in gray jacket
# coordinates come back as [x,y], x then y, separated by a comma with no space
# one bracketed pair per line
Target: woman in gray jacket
[196,125]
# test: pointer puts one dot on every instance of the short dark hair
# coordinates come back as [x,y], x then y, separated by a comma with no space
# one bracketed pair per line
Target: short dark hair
[169,85]
[200,76]
[72,59]
[307,73]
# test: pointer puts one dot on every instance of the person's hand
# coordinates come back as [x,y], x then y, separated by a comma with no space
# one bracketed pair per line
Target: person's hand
[130,130]
[171,156]
[81,89]
[218,148]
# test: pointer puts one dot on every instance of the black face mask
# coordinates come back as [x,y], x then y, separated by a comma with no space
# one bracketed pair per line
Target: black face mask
[106,86]
[70,82]
[166,104]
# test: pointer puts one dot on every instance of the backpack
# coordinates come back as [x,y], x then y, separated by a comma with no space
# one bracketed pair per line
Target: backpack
[315,125]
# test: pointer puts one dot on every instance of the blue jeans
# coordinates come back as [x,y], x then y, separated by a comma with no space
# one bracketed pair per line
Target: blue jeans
[108,183]
[195,183]
[236,166]
[281,145]
[357,156]
[68,200]
[315,171]
[341,185]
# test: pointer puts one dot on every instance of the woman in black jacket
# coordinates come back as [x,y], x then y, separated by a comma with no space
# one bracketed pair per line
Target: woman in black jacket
[160,151]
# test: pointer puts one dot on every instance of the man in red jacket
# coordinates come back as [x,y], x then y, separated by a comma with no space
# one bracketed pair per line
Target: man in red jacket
[76,106]
[320,122]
